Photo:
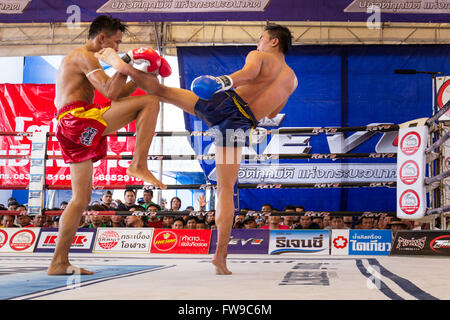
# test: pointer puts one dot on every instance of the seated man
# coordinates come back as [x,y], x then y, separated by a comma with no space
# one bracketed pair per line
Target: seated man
[262,88]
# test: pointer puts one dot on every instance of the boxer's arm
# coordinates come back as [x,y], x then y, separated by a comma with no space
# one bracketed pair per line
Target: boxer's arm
[110,87]
[250,71]
[129,88]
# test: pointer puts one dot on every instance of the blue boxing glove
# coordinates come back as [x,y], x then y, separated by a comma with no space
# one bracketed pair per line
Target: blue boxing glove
[205,86]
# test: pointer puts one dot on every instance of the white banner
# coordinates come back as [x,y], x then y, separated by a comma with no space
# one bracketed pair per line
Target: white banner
[340,242]
[401,6]
[411,162]
[123,240]
[443,95]
[18,239]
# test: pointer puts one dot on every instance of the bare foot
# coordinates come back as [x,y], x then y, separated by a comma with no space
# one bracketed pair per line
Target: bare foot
[145,175]
[221,265]
[66,269]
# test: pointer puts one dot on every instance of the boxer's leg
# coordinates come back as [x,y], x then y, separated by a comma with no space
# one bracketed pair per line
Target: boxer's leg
[143,109]
[228,160]
[81,177]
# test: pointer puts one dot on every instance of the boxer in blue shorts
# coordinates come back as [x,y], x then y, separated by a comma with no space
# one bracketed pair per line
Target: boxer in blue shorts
[261,89]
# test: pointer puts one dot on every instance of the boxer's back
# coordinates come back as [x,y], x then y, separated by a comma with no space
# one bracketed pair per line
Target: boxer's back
[71,82]
[271,88]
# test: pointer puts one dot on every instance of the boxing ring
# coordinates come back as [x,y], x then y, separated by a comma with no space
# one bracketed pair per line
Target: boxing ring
[289,276]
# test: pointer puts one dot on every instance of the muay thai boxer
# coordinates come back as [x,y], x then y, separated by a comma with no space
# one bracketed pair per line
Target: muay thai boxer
[82,126]
[261,89]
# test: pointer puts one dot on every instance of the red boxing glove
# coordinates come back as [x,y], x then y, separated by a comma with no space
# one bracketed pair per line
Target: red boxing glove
[164,70]
[149,57]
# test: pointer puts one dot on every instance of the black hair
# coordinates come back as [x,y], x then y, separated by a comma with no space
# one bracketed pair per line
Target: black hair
[283,35]
[106,24]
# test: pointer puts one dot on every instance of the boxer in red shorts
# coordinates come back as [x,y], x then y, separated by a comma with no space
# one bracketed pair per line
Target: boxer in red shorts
[83,126]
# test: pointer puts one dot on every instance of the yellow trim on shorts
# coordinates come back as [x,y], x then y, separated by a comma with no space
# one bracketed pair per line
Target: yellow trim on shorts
[93,113]
[245,114]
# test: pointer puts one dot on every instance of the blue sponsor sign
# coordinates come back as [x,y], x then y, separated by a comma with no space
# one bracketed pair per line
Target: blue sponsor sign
[299,241]
[244,241]
[370,242]
[82,242]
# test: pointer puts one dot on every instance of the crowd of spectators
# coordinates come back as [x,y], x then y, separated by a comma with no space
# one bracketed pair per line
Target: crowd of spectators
[143,217]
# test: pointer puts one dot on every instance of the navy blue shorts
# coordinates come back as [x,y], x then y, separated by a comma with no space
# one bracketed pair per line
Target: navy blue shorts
[228,117]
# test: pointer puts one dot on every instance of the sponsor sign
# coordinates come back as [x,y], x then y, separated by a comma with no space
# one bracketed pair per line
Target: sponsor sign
[123,240]
[82,242]
[400,6]
[244,241]
[421,243]
[18,239]
[411,161]
[443,95]
[340,242]
[299,241]
[170,6]
[181,241]
[370,242]
[13,6]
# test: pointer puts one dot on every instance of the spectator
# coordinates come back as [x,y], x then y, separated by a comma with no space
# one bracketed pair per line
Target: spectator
[201,224]
[239,225]
[175,204]
[210,219]
[260,223]
[8,222]
[266,207]
[134,222]
[153,220]
[12,205]
[318,221]
[274,223]
[190,209]
[337,222]
[129,196]
[191,222]
[167,221]
[201,202]
[55,222]
[148,197]
[365,223]
[289,221]
[96,220]
[40,221]
[117,221]
[163,204]
[24,220]
[298,209]
[326,222]
[306,223]
[63,205]
[397,224]
[178,223]
[239,218]
[348,221]
[107,199]
[250,223]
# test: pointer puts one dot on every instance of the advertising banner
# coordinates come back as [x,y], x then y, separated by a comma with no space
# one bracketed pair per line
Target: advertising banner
[230,10]
[189,241]
[18,239]
[411,161]
[30,108]
[434,243]
[340,242]
[82,242]
[244,241]
[123,240]
[299,241]
[443,95]
[370,242]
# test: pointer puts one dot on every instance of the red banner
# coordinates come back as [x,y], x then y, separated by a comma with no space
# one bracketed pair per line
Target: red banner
[190,241]
[30,108]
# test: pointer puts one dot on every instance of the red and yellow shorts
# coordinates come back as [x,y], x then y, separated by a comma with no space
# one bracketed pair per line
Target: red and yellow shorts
[79,131]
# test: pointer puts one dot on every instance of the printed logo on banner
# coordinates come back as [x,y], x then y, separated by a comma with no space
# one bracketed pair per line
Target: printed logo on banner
[409,202]
[181,241]
[244,241]
[440,243]
[83,240]
[299,241]
[3,238]
[410,143]
[22,240]
[409,172]
[123,240]
[339,242]
[370,242]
